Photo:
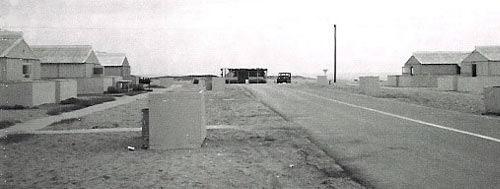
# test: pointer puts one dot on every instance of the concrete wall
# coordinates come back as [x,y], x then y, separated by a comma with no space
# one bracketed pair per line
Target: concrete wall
[476,84]
[418,81]
[117,71]
[166,82]
[369,85]
[27,93]
[492,99]
[65,88]
[429,69]
[95,85]
[44,92]
[322,80]
[176,120]
[218,84]
[392,80]
[447,83]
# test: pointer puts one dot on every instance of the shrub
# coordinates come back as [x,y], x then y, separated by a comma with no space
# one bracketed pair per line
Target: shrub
[14,107]
[112,90]
[66,121]
[6,123]
[75,104]
[137,87]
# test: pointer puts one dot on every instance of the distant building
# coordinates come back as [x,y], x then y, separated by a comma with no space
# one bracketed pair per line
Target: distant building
[241,75]
[483,61]
[17,60]
[434,63]
[68,61]
[115,64]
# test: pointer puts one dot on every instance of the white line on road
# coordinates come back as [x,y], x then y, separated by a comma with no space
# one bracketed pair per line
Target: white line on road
[405,118]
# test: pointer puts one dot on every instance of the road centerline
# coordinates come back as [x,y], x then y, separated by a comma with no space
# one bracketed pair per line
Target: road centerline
[404,118]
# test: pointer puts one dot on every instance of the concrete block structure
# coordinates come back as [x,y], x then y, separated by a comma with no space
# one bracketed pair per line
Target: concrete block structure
[476,84]
[418,81]
[369,85]
[447,83]
[393,80]
[64,89]
[322,80]
[218,84]
[483,61]
[176,120]
[95,85]
[492,99]
[28,93]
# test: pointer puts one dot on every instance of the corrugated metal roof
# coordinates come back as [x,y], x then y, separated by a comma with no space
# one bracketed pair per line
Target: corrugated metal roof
[111,59]
[62,53]
[11,34]
[492,53]
[441,57]
[7,44]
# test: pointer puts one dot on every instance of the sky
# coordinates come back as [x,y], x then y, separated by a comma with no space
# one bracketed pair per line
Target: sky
[178,37]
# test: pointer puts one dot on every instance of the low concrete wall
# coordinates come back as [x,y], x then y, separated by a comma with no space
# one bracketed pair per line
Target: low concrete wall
[218,84]
[322,80]
[492,99]
[166,82]
[418,81]
[447,83]
[476,84]
[94,85]
[32,93]
[369,85]
[392,80]
[65,88]
[177,120]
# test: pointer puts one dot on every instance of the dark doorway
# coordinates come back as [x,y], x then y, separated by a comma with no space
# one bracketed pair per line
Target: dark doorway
[474,70]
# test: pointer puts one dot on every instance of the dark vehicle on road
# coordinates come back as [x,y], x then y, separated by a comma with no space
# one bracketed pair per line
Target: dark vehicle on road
[284,77]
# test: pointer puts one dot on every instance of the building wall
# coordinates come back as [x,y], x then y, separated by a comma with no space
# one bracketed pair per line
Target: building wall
[483,68]
[18,93]
[476,84]
[392,80]
[65,88]
[447,83]
[418,81]
[492,99]
[65,70]
[113,70]
[44,92]
[90,85]
[29,93]
[12,69]
[428,69]
[369,85]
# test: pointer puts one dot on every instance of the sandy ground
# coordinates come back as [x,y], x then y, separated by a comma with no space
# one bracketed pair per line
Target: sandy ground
[267,152]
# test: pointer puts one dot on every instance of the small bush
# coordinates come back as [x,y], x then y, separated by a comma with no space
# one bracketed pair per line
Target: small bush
[14,107]
[76,104]
[6,123]
[137,87]
[112,90]
[66,121]
[156,86]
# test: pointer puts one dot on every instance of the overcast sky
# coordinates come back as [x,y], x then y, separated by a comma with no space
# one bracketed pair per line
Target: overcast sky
[200,36]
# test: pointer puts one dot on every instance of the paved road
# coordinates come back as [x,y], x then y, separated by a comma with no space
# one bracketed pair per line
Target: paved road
[389,144]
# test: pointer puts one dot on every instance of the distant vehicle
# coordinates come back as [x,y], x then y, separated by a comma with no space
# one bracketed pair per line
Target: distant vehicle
[284,77]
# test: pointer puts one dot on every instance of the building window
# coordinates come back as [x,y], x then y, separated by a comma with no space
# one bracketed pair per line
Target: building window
[26,71]
[411,70]
[98,71]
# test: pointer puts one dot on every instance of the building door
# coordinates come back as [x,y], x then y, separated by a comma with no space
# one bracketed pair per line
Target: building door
[474,70]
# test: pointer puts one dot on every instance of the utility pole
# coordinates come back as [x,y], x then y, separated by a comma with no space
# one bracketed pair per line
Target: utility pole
[334,53]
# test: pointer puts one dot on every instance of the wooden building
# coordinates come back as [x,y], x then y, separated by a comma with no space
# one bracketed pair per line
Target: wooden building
[17,60]
[483,61]
[434,63]
[115,64]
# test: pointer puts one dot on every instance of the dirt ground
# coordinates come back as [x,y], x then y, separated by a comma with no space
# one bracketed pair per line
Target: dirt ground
[267,152]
